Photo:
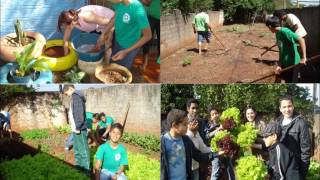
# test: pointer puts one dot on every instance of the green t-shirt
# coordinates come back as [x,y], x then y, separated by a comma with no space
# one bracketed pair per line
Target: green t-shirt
[286,41]
[129,22]
[153,9]
[89,119]
[109,121]
[200,21]
[111,158]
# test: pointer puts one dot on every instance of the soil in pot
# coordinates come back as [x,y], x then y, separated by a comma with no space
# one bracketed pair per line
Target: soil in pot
[113,77]
[54,51]
[13,43]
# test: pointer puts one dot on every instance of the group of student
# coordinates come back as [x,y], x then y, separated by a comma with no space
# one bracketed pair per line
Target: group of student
[289,32]
[126,27]
[285,144]
[111,158]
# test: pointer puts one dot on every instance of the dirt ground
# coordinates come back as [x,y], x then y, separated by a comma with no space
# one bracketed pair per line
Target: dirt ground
[239,64]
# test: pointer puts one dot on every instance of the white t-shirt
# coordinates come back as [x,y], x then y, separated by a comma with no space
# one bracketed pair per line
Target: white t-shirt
[291,21]
[286,121]
[71,120]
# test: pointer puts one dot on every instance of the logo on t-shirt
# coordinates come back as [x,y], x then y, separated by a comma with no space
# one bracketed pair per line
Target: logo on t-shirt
[117,156]
[126,18]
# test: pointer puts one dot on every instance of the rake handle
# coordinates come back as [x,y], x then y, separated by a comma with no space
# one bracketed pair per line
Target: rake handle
[286,69]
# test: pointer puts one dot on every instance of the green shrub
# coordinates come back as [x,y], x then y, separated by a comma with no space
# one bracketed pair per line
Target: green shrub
[64,129]
[35,134]
[41,166]
[147,142]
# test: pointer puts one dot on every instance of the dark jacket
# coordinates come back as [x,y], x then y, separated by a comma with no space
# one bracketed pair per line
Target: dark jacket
[191,152]
[295,136]
[79,110]
[279,155]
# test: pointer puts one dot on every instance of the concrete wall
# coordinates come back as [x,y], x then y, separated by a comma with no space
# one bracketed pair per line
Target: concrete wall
[35,15]
[176,30]
[36,111]
[144,111]
[310,19]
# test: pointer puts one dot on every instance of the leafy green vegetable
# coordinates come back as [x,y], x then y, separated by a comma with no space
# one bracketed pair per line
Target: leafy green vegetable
[214,141]
[247,135]
[142,168]
[41,166]
[35,134]
[250,168]
[314,171]
[147,142]
[233,113]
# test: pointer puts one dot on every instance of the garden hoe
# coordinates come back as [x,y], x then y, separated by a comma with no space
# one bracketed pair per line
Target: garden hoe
[264,52]
[125,116]
[225,49]
[313,58]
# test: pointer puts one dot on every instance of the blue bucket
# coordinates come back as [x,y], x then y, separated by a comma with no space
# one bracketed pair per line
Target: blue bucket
[88,39]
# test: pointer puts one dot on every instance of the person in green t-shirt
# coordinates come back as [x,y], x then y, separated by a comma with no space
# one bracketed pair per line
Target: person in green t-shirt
[92,118]
[132,31]
[201,26]
[153,12]
[288,52]
[104,126]
[111,157]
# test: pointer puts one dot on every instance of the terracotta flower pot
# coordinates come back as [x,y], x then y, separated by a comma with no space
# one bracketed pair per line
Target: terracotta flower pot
[102,73]
[7,48]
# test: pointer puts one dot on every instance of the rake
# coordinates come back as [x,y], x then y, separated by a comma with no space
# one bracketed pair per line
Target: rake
[313,58]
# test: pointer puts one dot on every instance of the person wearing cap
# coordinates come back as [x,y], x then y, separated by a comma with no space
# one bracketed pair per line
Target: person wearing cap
[5,123]
[295,133]
[282,163]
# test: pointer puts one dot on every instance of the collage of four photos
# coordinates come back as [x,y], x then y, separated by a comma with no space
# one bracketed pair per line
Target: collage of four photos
[159,90]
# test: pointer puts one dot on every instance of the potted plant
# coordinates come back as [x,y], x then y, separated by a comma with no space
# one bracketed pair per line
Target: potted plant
[27,64]
[16,42]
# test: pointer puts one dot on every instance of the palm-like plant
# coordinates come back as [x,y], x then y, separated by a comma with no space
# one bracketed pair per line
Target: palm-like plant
[27,62]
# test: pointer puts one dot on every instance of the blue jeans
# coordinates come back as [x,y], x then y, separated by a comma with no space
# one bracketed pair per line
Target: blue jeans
[69,142]
[126,61]
[107,175]
[230,171]
[215,169]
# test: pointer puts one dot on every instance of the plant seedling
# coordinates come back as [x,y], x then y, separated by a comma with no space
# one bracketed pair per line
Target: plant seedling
[186,61]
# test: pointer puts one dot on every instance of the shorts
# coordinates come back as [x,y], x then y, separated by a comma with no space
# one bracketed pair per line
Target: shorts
[204,35]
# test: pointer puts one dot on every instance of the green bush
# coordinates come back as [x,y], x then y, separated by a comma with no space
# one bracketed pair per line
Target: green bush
[147,142]
[64,129]
[41,166]
[142,168]
[35,134]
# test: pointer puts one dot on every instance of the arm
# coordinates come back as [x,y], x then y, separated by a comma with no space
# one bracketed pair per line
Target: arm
[98,169]
[78,111]
[66,37]
[146,2]
[305,147]
[107,130]
[303,48]
[194,28]
[146,36]
[121,170]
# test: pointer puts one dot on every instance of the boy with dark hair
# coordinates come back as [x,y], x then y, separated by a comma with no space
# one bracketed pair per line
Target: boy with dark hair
[104,126]
[282,163]
[77,116]
[177,150]
[112,158]
[295,134]
[288,52]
